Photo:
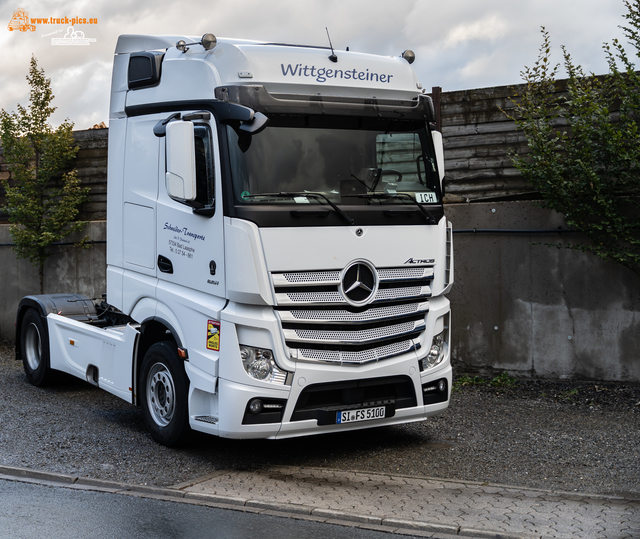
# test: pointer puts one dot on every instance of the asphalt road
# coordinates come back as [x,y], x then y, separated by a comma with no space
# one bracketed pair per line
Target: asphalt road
[556,436]
[30,510]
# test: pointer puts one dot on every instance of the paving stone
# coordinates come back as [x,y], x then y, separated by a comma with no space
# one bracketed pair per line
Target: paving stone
[489,510]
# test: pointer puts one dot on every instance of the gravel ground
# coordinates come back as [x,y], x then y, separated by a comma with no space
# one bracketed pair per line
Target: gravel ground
[565,436]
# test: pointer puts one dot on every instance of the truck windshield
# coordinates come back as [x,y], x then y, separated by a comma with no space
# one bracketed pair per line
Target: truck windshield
[344,160]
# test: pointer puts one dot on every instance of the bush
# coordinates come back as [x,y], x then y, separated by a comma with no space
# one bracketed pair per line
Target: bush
[584,146]
[43,194]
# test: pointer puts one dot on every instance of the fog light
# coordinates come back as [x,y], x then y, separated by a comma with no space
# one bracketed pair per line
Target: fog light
[255,406]
[260,365]
[435,392]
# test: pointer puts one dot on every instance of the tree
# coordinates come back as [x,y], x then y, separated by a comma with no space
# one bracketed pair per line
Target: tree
[43,194]
[584,145]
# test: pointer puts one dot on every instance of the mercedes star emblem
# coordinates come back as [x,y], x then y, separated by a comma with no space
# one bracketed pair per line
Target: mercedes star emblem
[359,283]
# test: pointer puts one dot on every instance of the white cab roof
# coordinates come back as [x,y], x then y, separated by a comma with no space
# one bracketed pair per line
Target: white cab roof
[283,67]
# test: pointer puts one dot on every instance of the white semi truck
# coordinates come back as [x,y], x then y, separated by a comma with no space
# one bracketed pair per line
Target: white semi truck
[277,251]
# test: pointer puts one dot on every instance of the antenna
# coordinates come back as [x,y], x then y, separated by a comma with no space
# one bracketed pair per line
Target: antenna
[333,56]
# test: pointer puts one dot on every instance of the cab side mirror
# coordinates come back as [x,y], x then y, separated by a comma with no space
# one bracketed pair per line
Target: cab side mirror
[181,162]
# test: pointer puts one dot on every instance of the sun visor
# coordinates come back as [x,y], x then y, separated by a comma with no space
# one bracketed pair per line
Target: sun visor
[258,98]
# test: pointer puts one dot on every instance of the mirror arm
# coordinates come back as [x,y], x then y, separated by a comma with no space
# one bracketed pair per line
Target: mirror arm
[160,129]
[255,125]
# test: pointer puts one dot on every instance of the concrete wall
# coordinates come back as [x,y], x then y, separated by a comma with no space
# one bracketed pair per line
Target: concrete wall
[67,270]
[535,310]
[519,307]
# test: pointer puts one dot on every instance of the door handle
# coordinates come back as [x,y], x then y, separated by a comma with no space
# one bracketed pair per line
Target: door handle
[164,264]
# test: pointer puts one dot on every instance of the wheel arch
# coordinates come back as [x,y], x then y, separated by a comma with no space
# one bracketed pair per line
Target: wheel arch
[74,306]
[153,330]
[28,302]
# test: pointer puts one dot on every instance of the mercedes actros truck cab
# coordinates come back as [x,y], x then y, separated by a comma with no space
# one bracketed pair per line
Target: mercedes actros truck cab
[277,251]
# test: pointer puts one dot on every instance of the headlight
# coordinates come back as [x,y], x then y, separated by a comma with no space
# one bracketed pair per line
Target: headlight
[259,364]
[436,353]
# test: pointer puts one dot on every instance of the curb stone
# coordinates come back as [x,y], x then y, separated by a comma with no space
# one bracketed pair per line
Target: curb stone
[298,509]
[37,474]
[345,515]
[424,526]
[214,498]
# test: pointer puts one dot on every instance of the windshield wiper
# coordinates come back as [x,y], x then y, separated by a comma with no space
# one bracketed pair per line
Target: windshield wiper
[430,219]
[317,196]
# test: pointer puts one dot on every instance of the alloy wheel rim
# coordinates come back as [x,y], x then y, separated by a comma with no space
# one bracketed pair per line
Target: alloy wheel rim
[161,394]
[33,346]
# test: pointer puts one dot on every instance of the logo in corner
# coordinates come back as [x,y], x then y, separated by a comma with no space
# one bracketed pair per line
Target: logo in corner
[20,21]
[72,37]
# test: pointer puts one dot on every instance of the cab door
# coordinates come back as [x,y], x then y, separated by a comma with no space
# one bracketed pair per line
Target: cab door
[190,246]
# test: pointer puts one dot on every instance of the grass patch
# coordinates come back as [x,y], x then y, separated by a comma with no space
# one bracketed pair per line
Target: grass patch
[503,380]
[467,381]
[569,394]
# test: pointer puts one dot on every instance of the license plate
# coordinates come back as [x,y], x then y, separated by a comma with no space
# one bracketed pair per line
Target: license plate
[364,414]
[426,198]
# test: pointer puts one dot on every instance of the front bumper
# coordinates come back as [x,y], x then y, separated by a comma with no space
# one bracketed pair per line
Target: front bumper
[312,408]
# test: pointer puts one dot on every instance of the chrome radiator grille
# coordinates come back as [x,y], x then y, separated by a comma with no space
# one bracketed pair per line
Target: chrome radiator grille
[320,323]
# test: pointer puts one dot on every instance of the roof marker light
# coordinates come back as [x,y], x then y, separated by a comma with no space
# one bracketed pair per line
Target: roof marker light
[208,41]
[409,56]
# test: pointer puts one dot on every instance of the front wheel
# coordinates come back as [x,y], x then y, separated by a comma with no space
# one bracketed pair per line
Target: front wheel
[34,342]
[165,389]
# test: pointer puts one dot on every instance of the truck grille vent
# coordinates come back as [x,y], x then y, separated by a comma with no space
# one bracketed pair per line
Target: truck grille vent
[319,324]
[353,336]
[312,276]
[363,356]
[341,315]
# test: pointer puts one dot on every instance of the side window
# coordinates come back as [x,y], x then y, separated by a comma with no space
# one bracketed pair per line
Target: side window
[204,166]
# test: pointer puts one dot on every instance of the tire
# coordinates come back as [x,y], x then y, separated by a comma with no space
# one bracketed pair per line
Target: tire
[165,388]
[34,343]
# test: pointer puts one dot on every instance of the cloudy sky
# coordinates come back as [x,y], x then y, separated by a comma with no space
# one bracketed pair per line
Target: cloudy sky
[459,44]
